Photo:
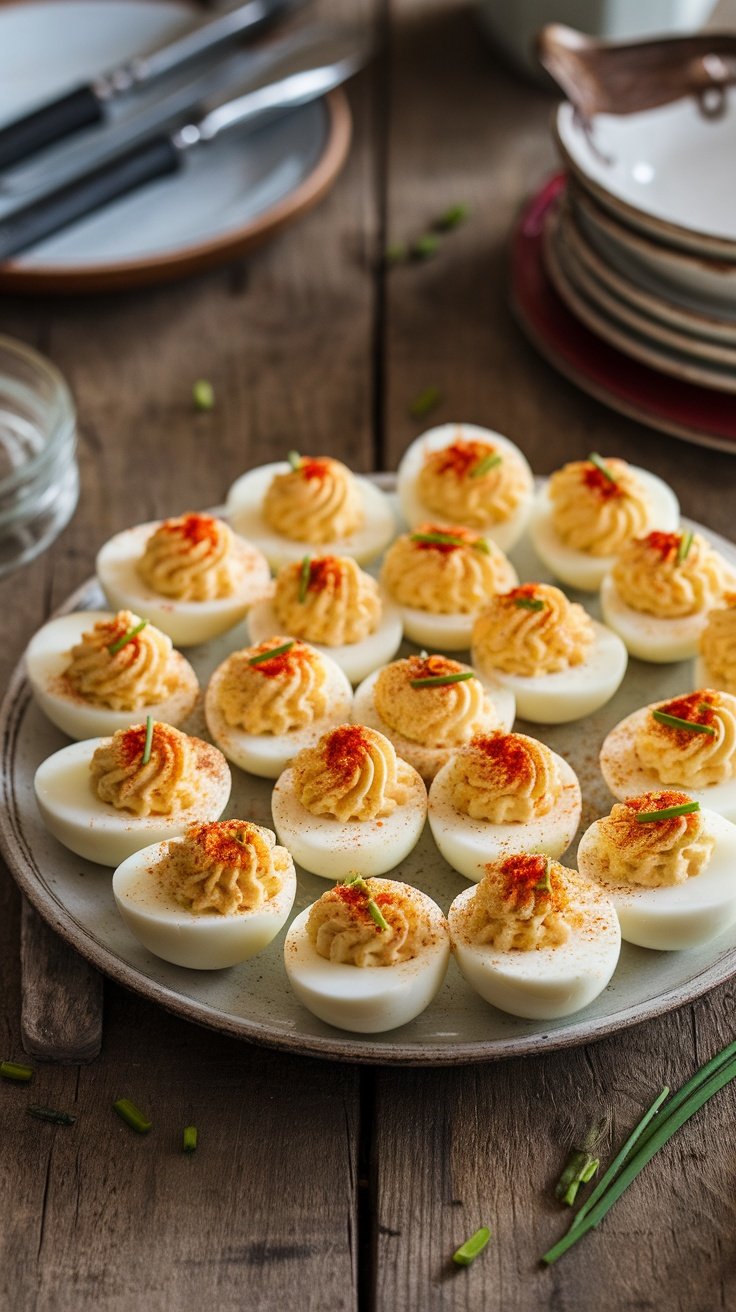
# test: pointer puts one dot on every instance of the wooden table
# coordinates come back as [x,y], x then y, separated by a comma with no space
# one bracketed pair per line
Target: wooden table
[320,1186]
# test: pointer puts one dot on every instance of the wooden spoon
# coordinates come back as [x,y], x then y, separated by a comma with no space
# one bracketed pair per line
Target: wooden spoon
[617,77]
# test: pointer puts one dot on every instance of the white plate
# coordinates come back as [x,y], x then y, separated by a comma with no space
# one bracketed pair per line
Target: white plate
[254,1001]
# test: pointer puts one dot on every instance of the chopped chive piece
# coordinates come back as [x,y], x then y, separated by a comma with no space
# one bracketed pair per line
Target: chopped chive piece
[425,246]
[304,577]
[452,218]
[149,740]
[440,680]
[439,539]
[189,1139]
[545,883]
[294,460]
[12,1070]
[481,545]
[117,646]
[579,1169]
[49,1114]
[396,253]
[271,654]
[687,808]
[203,395]
[602,467]
[529,603]
[620,1159]
[373,909]
[486,464]
[424,402]
[674,722]
[472,1247]
[132,1116]
[686,541]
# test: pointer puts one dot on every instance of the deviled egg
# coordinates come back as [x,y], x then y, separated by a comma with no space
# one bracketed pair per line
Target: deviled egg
[466,475]
[106,798]
[310,502]
[440,577]
[590,509]
[500,794]
[688,742]
[659,592]
[265,703]
[668,867]
[330,602]
[213,897]
[428,706]
[191,576]
[349,802]
[93,672]
[715,663]
[369,956]
[534,938]
[559,663]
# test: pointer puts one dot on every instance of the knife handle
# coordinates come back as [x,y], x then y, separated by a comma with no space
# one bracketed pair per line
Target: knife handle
[24,136]
[31,223]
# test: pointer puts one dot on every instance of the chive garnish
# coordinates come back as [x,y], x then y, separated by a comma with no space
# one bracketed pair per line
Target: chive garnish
[189,1139]
[425,246]
[203,395]
[294,460]
[486,464]
[472,1247]
[686,541]
[424,402]
[271,653]
[674,722]
[132,1116]
[624,1152]
[117,646]
[580,1168]
[602,467]
[440,680]
[304,577]
[452,217]
[545,883]
[149,740]
[451,540]
[529,603]
[648,817]
[373,909]
[12,1070]
[49,1114]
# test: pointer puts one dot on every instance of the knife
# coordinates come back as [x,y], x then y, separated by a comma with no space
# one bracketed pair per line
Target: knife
[88,104]
[313,63]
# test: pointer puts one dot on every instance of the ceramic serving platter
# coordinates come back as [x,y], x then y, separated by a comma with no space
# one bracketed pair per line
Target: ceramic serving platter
[254,1001]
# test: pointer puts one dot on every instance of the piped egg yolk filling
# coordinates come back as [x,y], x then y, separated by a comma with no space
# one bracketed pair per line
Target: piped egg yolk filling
[504,778]
[522,903]
[472,482]
[123,663]
[670,575]
[166,784]
[718,643]
[327,599]
[533,630]
[262,694]
[652,853]
[353,773]
[191,558]
[432,700]
[344,925]
[317,501]
[227,866]
[598,507]
[692,757]
[446,571]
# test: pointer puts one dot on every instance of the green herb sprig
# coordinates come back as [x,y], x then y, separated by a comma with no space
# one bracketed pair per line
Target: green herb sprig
[486,464]
[667,812]
[424,402]
[374,910]
[49,1114]
[683,549]
[294,460]
[132,1115]
[305,575]
[189,1139]
[472,1248]
[602,467]
[261,657]
[529,603]
[441,680]
[674,722]
[13,1070]
[451,540]
[115,647]
[203,395]
[147,746]
[452,217]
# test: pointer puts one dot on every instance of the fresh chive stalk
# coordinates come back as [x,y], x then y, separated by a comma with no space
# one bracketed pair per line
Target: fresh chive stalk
[486,464]
[441,680]
[424,247]
[149,740]
[304,577]
[545,883]
[452,217]
[472,1248]
[424,402]
[49,1114]
[132,1115]
[529,603]
[683,550]
[451,540]
[294,460]
[580,1168]
[203,395]
[117,646]
[189,1139]
[623,1154]
[667,812]
[373,908]
[690,726]
[263,656]
[602,467]
[13,1070]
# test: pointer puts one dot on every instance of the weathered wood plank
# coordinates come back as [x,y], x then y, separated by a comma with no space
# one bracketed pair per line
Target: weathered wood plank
[61,1009]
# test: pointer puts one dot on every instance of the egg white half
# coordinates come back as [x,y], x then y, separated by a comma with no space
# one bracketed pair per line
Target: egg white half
[426,760]
[268,754]
[646,636]
[579,569]
[546,983]
[187,623]
[681,915]
[367,999]
[244,511]
[569,694]
[468,845]
[332,849]
[48,655]
[200,941]
[96,830]
[357,659]
[450,632]
[627,777]
[505,534]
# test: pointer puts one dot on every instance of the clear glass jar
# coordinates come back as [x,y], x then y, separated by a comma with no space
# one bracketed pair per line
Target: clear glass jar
[39,480]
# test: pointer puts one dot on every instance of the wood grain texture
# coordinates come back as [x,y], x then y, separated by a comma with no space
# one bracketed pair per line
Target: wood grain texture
[61,1011]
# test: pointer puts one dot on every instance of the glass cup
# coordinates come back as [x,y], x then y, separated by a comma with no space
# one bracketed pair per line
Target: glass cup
[39,480]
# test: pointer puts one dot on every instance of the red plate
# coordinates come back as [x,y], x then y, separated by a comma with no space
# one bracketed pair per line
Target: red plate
[694,413]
